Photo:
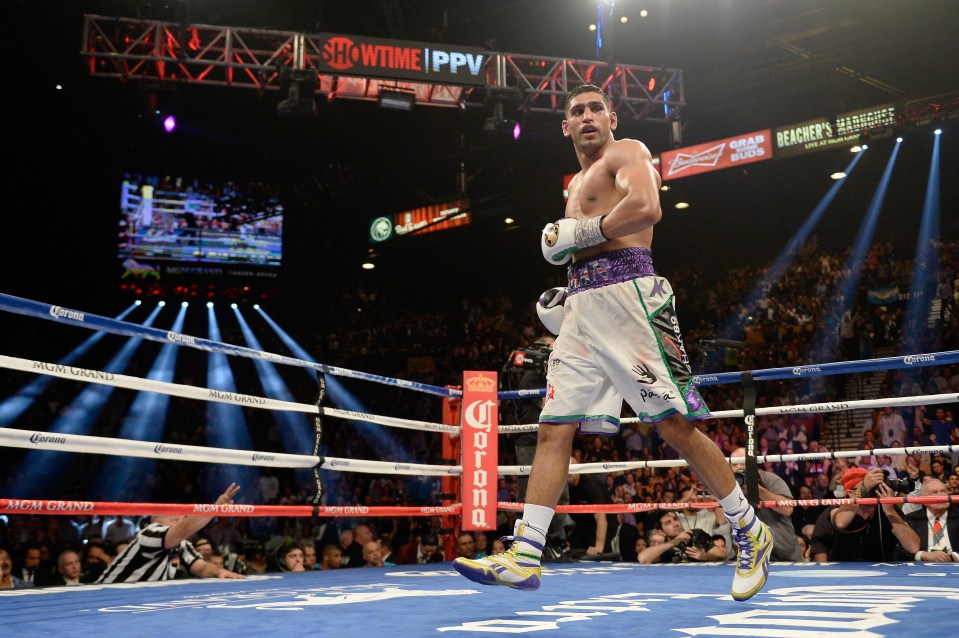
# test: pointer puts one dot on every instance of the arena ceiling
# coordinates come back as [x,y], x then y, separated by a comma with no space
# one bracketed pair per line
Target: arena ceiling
[747,65]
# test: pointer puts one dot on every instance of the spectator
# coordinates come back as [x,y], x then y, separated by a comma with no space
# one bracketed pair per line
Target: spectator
[482,544]
[289,557]
[96,558]
[892,427]
[805,514]
[372,556]
[420,552]
[149,555]
[225,535]
[803,541]
[258,563]
[69,569]
[332,557]
[309,554]
[118,530]
[592,533]
[465,545]
[937,526]
[386,552]
[28,567]
[7,579]
[269,485]
[868,532]
[353,554]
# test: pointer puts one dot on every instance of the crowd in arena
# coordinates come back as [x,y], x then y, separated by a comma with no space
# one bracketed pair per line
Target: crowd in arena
[788,322]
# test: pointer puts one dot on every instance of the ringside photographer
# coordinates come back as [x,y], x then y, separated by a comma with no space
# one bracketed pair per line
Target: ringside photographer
[681,545]
[868,532]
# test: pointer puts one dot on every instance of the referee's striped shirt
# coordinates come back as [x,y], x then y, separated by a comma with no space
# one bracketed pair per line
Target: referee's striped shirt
[145,559]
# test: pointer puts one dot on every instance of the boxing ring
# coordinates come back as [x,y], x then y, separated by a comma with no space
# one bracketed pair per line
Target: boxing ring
[585,598]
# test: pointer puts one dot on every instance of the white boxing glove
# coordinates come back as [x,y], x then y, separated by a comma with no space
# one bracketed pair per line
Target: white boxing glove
[550,309]
[564,237]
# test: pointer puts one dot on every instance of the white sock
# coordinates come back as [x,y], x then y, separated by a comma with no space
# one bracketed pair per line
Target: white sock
[737,507]
[537,517]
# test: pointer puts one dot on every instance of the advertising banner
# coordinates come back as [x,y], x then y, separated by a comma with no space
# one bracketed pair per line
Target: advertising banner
[417,221]
[713,156]
[480,444]
[401,60]
[823,133]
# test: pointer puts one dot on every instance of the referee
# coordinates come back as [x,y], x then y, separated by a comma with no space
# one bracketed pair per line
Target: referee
[149,555]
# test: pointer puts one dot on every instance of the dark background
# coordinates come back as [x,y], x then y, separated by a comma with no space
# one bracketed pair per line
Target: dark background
[747,65]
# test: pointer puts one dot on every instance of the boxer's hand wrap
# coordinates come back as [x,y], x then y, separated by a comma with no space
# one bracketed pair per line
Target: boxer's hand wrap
[550,309]
[563,238]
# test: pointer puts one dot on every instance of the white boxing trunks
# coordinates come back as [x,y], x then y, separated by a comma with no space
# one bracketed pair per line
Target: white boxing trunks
[620,339]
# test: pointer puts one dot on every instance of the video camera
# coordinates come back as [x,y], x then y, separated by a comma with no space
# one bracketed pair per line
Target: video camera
[532,358]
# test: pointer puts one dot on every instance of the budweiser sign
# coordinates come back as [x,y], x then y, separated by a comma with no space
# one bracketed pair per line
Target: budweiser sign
[712,156]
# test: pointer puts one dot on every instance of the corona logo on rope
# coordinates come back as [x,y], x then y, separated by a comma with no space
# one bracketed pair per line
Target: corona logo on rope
[479,442]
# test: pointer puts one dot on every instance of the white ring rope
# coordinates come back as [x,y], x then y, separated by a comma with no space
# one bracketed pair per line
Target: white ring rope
[251,401]
[208,394]
[124,447]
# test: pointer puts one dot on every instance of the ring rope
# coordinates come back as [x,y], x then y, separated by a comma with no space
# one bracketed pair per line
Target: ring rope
[252,401]
[115,326]
[209,394]
[91,321]
[124,447]
[71,508]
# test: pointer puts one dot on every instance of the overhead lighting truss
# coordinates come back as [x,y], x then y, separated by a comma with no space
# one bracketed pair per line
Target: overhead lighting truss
[135,49]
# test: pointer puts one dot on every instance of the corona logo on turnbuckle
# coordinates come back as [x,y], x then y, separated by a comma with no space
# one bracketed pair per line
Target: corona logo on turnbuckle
[480,445]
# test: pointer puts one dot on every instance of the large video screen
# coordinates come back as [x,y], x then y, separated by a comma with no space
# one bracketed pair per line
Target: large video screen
[169,224]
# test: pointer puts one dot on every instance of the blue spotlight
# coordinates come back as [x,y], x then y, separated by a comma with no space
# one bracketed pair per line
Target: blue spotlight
[785,257]
[925,274]
[37,469]
[938,131]
[145,421]
[898,140]
[227,426]
[342,398]
[15,405]
[296,430]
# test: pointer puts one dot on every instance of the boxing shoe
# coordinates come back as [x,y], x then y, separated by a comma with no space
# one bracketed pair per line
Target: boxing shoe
[518,567]
[755,543]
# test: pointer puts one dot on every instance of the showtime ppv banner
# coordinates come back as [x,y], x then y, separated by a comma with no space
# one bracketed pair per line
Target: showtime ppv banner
[480,444]
[713,156]
[401,60]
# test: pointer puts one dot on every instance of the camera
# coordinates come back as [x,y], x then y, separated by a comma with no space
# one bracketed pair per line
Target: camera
[697,538]
[898,485]
[532,358]
[741,479]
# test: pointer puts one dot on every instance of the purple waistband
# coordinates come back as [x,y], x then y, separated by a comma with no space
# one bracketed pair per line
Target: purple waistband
[612,267]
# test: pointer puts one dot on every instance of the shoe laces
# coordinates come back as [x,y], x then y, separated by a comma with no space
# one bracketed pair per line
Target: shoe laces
[745,547]
[507,541]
